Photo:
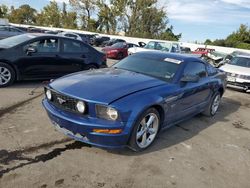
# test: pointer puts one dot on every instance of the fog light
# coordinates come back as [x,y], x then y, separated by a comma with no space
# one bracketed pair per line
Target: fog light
[48,94]
[80,106]
[108,131]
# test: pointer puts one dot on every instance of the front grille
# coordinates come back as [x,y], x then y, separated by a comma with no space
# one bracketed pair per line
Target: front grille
[64,102]
[239,84]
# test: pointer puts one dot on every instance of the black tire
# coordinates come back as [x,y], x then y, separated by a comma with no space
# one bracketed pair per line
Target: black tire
[6,70]
[209,111]
[133,141]
[119,55]
[90,67]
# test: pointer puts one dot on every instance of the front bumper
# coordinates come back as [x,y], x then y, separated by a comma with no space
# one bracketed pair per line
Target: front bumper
[81,128]
[239,84]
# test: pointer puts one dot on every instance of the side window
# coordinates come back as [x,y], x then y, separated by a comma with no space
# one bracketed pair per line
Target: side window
[175,48]
[195,69]
[150,45]
[74,47]
[4,29]
[44,45]
[14,30]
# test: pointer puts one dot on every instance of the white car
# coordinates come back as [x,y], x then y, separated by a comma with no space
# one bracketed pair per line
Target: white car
[238,72]
[155,45]
[70,35]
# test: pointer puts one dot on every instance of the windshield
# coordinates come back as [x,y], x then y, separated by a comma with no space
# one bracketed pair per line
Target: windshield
[164,46]
[160,69]
[240,61]
[13,41]
[119,45]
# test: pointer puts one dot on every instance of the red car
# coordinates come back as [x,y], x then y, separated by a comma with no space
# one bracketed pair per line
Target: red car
[118,50]
[203,51]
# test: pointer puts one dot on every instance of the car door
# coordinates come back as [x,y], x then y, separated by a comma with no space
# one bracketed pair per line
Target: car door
[191,97]
[75,55]
[39,58]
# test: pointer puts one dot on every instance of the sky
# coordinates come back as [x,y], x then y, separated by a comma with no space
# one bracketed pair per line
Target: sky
[197,20]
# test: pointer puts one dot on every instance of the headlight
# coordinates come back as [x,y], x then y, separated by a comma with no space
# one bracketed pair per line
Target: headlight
[244,77]
[80,106]
[106,112]
[48,94]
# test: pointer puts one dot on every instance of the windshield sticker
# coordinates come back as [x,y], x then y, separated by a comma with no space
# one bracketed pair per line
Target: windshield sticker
[172,60]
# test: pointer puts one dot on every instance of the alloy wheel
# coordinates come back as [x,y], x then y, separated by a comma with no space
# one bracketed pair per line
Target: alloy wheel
[5,75]
[147,130]
[215,105]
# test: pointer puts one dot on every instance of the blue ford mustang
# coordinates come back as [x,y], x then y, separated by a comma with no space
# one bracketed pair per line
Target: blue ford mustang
[129,103]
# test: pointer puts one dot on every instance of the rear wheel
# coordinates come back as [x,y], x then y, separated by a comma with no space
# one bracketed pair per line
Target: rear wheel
[145,130]
[90,67]
[7,75]
[213,106]
[120,55]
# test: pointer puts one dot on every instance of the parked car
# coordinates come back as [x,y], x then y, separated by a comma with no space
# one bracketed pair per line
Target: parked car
[155,45]
[98,40]
[70,35]
[9,31]
[203,51]
[214,58]
[42,56]
[85,38]
[229,57]
[185,50]
[35,30]
[129,103]
[111,42]
[118,50]
[238,72]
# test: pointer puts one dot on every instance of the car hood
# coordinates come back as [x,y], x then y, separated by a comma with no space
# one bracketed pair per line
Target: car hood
[104,85]
[236,69]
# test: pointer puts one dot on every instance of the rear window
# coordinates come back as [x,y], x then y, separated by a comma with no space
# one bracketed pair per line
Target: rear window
[13,41]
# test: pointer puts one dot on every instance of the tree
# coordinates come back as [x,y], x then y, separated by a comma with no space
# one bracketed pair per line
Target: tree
[3,11]
[50,15]
[85,9]
[208,42]
[238,39]
[69,19]
[107,21]
[23,15]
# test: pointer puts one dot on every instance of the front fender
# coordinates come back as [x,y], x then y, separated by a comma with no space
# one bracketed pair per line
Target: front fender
[132,106]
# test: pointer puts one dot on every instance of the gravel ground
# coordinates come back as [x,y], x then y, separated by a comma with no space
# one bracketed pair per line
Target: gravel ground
[200,152]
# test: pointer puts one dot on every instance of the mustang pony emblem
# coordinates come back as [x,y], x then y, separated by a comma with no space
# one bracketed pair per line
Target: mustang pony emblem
[60,100]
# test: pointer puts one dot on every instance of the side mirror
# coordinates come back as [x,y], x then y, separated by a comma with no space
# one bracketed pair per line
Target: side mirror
[31,50]
[190,78]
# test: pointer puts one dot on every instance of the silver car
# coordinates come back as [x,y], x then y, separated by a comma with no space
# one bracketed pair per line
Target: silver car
[9,31]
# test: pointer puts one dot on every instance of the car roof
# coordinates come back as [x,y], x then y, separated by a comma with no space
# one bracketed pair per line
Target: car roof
[245,56]
[158,55]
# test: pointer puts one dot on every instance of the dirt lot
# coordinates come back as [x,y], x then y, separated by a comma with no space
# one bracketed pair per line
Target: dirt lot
[201,152]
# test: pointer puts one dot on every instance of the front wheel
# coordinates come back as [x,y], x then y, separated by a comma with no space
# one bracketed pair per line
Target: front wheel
[7,75]
[145,130]
[213,106]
